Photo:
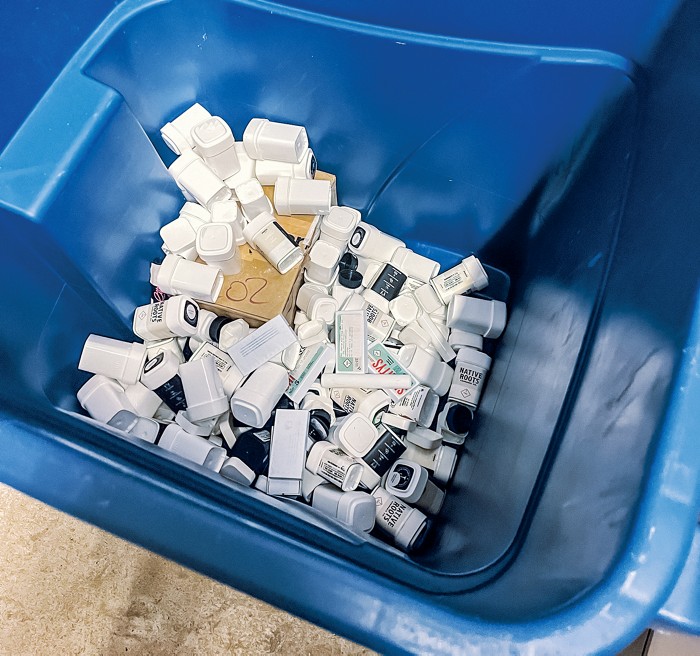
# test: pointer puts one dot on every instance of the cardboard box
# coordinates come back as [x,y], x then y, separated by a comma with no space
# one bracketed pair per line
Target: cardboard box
[259,292]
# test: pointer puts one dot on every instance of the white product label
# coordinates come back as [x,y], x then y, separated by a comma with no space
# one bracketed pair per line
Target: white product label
[351,342]
[334,469]
[379,324]
[382,362]
[467,384]
[222,361]
[308,368]
[389,512]
[411,404]
[345,399]
[157,312]
[260,346]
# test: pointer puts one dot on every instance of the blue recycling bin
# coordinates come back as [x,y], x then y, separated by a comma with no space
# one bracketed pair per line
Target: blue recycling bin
[555,140]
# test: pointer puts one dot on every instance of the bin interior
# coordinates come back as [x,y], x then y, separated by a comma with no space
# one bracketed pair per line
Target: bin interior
[517,155]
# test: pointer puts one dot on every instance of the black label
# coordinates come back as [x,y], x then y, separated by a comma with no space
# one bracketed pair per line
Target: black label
[401,477]
[191,313]
[384,453]
[357,237]
[389,282]
[172,393]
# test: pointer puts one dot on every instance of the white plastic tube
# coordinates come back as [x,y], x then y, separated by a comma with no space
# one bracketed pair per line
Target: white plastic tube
[229,211]
[177,134]
[263,234]
[468,276]
[102,398]
[265,140]
[477,315]
[366,381]
[176,317]
[214,141]
[253,402]
[252,198]
[122,361]
[267,171]
[216,245]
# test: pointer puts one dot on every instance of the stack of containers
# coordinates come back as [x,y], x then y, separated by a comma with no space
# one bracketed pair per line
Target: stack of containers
[361,407]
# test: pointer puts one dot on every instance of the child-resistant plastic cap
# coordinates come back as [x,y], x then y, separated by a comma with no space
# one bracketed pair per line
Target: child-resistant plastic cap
[460,338]
[177,133]
[445,464]
[179,276]
[236,470]
[338,225]
[263,234]
[404,309]
[424,438]
[102,398]
[252,198]
[253,402]
[355,434]
[216,245]
[267,171]
[322,262]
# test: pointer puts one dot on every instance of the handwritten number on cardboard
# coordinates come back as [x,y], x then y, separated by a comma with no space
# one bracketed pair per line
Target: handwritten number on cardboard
[246,290]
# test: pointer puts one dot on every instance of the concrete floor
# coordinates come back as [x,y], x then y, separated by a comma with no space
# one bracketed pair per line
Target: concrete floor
[69,588]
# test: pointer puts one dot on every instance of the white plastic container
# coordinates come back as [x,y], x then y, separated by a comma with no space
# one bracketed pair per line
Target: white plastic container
[233,332]
[368,241]
[471,368]
[459,338]
[144,401]
[477,315]
[177,134]
[176,317]
[192,447]
[468,276]
[214,142]
[161,375]
[404,524]
[247,171]
[355,434]
[409,482]
[404,309]
[419,405]
[414,265]
[265,139]
[323,261]
[438,337]
[102,398]
[252,198]
[179,276]
[230,374]
[338,225]
[229,211]
[263,234]
[323,307]
[287,453]
[141,427]
[334,465]
[371,404]
[424,437]
[122,361]
[195,178]
[216,245]
[413,333]
[425,368]
[267,171]
[441,460]
[454,422]
[179,237]
[253,402]
[294,196]
[203,389]
[355,509]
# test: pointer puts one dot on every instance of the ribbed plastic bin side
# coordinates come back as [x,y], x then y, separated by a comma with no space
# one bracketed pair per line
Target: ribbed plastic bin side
[542,161]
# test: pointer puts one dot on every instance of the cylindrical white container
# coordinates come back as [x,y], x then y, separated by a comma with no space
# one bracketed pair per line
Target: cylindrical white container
[160,374]
[177,134]
[471,368]
[203,389]
[419,405]
[216,245]
[233,332]
[122,361]
[338,225]
[263,234]
[356,509]
[229,211]
[409,482]
[441,460]
[404,524]
[468,276]
[267,171]
[192,447]
[102,398]
[369,404]
[323,262]
[253,402]
[294,196]
[193,176]
[414,265]
[176,317]
[179,276]
[333,464]
[404,309]
[477,315]
[265,139]
[252,198]
[427,369]
[370,242]
[214,141]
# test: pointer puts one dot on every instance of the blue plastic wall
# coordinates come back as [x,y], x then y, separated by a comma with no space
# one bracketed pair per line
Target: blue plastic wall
[570,169]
